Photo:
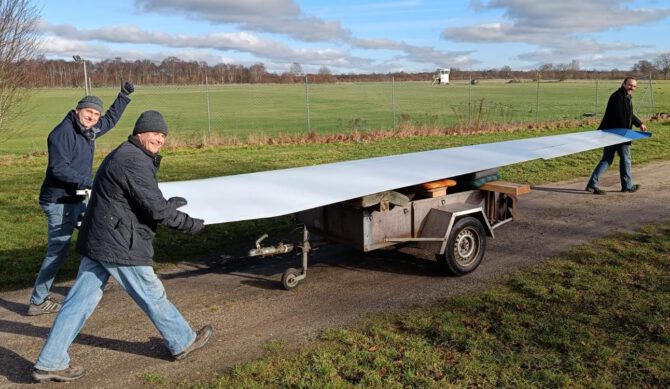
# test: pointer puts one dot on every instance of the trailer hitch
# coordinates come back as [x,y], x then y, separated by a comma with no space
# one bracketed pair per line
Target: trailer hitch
[263,251]
[291,276]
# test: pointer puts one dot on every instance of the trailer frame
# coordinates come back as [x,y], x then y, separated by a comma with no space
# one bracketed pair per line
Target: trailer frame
[453,226]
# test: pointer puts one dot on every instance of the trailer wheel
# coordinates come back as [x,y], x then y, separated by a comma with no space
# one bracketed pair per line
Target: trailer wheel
[289,278]
[465,247]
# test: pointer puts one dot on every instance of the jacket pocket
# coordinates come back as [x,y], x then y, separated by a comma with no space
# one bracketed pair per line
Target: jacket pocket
[142,237]
[121,230]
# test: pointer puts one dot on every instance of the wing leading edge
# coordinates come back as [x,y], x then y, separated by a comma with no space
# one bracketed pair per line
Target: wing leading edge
[237,197]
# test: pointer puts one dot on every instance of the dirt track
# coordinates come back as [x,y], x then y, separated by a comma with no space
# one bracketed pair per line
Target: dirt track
[246,305]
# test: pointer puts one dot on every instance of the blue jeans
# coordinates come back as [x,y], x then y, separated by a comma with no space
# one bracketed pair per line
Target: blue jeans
[140,282]
[608,157]
[61,222]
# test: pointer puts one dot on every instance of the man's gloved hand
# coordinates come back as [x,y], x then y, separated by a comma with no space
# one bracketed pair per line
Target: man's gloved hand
[177,202]
[197,226]
[127,88]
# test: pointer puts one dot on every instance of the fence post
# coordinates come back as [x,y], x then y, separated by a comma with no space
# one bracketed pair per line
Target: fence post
[537,98]
[595,109]
[209,113]
[651,90]
[393,100]
[469,99]
[309,124]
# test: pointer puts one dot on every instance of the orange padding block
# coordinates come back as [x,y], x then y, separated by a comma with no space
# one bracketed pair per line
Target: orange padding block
[438,184]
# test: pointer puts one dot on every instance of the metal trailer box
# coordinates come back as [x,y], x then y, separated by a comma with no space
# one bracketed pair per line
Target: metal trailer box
[453,226]
[370,228]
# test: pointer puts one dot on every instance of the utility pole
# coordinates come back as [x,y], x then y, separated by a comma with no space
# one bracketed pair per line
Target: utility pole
[87,88]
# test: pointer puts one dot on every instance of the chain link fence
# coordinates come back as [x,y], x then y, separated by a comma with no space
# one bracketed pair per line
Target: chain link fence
[244,110]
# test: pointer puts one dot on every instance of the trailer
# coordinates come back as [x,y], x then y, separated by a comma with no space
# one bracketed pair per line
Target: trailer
[453,226]
[380,201]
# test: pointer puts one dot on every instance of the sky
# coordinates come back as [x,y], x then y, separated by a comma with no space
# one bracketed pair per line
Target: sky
[361,36]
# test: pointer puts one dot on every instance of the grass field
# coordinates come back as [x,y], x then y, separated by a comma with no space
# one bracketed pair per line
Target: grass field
[243,110]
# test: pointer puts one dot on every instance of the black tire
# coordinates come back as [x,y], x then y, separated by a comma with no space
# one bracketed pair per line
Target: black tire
[465,247]
[288,279]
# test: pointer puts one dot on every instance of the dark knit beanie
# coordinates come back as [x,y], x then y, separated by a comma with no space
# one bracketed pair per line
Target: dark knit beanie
[90,102]
[150,121]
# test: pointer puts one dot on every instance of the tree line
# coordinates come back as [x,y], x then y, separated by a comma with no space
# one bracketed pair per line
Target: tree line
[41,72]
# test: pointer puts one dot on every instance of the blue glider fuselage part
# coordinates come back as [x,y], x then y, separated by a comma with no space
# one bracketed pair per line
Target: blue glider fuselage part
[281,192]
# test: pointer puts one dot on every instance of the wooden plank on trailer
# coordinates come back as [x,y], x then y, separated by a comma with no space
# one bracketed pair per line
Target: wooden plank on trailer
[506,187]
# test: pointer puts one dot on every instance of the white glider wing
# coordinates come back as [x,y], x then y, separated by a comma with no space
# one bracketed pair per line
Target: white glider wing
[236,198]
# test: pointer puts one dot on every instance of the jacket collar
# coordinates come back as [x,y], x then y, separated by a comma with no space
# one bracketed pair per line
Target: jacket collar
[89,133]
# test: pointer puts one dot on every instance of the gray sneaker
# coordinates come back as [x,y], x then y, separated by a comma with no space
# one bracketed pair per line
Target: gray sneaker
[69,374]
[49,305]
[632,189]
[595,190]
[201,339]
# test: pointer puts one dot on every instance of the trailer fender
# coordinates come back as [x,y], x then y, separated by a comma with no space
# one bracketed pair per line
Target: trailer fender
[440,222]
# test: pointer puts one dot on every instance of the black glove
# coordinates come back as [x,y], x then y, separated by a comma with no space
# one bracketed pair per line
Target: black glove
[127,88]
[196,226]
[177,202]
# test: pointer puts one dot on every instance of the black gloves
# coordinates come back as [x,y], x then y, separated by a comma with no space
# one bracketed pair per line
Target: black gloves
[177,202]
[127,88]
[191,225]
[196,226]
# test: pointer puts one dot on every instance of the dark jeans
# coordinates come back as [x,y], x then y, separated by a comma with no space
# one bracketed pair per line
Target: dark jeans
[624,165]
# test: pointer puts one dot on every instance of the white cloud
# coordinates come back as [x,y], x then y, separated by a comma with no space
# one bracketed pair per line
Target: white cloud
[561,30]
[70,40]
[271,16]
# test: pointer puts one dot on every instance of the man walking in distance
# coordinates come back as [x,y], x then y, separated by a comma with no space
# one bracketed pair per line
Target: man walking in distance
[71,145]
[618,114]
[116,238]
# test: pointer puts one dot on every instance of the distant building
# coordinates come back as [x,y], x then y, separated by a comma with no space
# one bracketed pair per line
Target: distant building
[441,76]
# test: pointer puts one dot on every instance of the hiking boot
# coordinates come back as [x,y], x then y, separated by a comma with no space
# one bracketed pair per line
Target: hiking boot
[49,305]
[632,189]
[595,190]
[201,339]
[69,374]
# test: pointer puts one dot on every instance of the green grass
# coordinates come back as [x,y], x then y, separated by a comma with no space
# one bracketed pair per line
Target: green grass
[270,109]
[597,318]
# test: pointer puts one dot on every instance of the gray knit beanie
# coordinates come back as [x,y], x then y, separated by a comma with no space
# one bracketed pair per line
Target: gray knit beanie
[90,102]
[150,121]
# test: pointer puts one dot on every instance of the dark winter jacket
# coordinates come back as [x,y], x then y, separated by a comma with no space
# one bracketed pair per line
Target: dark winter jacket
[619,112]
[126,207]
[71,150]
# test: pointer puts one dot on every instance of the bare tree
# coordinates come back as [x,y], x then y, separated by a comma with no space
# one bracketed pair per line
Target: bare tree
[325,75]
[295,69]
[663,64]
[18,43]
[256,73]
[643,67]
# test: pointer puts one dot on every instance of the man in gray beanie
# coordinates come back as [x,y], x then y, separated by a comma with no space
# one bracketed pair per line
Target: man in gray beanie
[116,239]
[71,145]
[93,102]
